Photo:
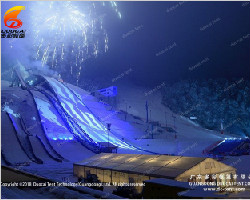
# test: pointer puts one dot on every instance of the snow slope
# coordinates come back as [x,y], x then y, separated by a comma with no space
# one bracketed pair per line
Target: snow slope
[43,124]
[83,116]
[191,139]
[132,135]
[10,145]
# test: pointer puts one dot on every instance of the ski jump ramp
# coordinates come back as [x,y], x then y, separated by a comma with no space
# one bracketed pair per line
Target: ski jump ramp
[62,107]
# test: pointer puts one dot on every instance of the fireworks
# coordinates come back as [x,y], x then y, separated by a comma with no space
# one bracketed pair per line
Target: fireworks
[68,33]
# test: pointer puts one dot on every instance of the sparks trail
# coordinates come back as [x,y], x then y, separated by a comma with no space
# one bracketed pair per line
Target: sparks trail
[65,35]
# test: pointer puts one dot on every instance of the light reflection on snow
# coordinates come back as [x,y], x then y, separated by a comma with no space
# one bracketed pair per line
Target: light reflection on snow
[7,109]
[86,120]
[53,125]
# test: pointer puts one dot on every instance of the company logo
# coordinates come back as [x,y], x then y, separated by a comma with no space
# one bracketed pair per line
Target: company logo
[10,17]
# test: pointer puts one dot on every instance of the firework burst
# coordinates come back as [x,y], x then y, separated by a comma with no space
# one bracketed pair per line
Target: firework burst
[67,34]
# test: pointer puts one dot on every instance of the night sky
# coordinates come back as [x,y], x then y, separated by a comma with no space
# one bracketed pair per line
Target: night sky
[215,34]
[162,41]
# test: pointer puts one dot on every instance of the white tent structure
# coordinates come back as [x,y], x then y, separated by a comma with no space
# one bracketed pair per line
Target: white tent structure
[127,168]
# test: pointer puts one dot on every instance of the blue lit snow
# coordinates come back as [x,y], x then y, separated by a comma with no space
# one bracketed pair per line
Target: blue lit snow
[7,109]
[80,113]
[53,125]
